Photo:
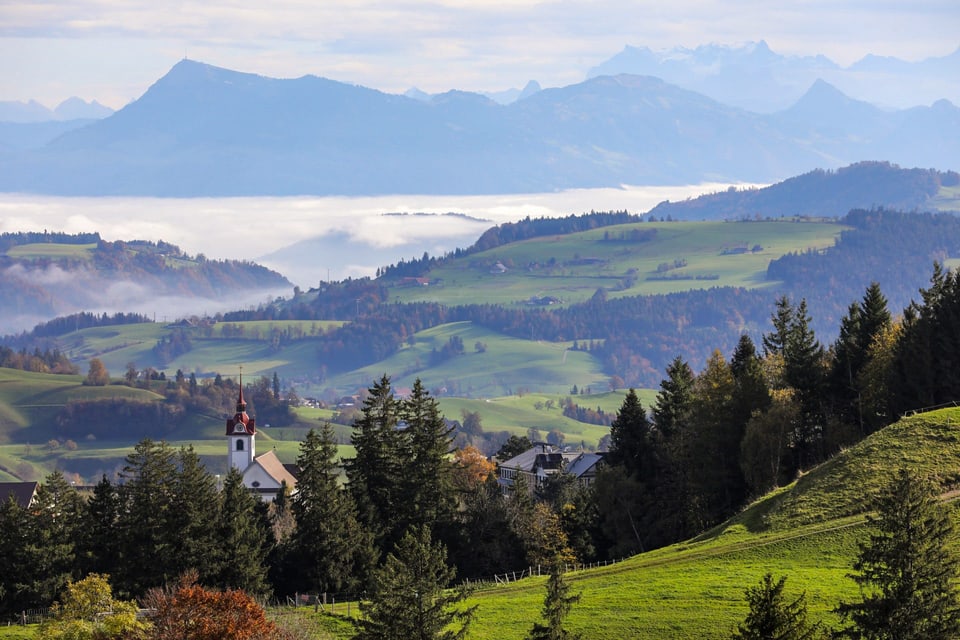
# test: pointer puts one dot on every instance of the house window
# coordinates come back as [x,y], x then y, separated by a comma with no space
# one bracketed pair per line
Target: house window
[239,444]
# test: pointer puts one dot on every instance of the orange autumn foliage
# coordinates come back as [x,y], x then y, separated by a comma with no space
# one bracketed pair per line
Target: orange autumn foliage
[191,612]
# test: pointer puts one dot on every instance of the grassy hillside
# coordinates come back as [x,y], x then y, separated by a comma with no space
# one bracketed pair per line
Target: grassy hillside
[808,531]
[572,267]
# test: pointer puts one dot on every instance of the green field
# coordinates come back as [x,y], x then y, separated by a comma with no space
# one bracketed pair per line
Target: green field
[52,250]
[584,262]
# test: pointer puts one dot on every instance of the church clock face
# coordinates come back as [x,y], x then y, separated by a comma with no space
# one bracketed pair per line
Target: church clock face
[238,428]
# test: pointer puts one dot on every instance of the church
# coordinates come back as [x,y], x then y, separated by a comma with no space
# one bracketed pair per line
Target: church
[263,475]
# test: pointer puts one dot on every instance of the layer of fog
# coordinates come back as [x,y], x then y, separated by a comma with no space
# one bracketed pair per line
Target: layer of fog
[307,239]
[248,228]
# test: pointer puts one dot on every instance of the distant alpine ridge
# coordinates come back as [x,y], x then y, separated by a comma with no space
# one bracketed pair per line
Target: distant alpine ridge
[753,77]
[207,131]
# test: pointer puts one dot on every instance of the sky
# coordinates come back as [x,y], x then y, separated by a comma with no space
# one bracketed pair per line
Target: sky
[113,50]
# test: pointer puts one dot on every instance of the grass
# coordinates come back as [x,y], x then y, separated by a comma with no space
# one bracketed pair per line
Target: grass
[563,272]
[52,250]
[808,531]
[506,365]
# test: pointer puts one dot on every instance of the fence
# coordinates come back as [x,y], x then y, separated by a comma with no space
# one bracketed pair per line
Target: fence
[539,570]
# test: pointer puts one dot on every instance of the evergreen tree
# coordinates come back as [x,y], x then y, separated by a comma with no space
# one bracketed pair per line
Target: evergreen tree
[98,549]
[16,570]
[775,342]
[556,606]
[328,549]
[907,570]
[751,392]
[425,460]
[631,439]
[713,461]
[859,329]
[514,446]
[408,600]
[55,530]
[193,517]
[772,616]
[241,539]
[375,475]
[675,507]
[673,399]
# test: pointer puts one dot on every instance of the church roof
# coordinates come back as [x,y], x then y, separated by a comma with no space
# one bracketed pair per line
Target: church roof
[271,464]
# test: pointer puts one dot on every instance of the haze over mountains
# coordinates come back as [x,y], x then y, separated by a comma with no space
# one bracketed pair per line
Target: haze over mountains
[755,78]
[207,131]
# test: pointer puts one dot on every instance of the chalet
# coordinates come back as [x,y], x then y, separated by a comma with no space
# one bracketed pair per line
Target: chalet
[263,475]
[532,467]
[24,493]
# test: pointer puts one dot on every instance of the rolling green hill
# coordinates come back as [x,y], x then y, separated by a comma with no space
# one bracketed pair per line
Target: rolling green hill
[626,260]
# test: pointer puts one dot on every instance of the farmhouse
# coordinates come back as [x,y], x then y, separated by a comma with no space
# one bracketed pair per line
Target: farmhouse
[264,475]
[531,468]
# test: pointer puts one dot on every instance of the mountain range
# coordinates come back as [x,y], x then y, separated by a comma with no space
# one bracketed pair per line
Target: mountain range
[753,77]
[206,131]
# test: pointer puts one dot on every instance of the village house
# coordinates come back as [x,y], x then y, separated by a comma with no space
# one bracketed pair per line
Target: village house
[532,467]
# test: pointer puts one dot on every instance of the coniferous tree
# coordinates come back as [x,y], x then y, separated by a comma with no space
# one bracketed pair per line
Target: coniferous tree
[328,550]
[715,479]
[425,460]
[374,475]
[193,518]
[671,417]
[907,570]
[556,606]
[772,616]
[631,439]
[241,538]
[146,499]
[751,391]
[98,549]
[409,600]
[16,570]
[55,531]
[859,329]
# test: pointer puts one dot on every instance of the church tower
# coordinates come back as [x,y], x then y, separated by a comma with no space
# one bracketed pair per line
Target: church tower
[241,436]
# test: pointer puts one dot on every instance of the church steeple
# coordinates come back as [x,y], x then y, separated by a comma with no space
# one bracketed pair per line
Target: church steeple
[241,434]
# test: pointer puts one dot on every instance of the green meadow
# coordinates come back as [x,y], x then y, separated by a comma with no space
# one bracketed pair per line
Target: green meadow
[52,250]
[572,267]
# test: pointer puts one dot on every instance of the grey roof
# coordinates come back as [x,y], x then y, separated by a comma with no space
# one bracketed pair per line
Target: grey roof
[583,463]
[23,492]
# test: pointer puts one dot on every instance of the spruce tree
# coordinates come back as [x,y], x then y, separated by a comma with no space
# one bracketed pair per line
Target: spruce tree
[907,570]
[56,518]
[712,464]
[631,439]
[556,606]
[409,600]
[328,551]
[773,616]
[375,474]
[16,561]
[193,517]
[98,550]
[425,460]
[241,539]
